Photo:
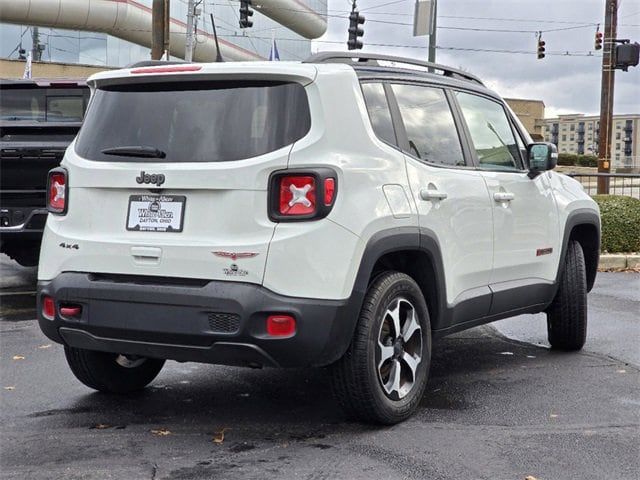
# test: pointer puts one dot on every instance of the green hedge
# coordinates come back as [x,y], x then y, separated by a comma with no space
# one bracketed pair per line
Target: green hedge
[572,160]
[620,223]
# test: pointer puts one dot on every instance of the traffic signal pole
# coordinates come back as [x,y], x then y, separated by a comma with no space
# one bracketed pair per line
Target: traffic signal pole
[159,29]
[606,94]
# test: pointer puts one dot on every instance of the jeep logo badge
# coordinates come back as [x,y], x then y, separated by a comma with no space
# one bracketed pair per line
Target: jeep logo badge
[157,179]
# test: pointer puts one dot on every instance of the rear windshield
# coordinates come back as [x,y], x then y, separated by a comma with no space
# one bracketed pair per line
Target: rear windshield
[191,121]
[43,104]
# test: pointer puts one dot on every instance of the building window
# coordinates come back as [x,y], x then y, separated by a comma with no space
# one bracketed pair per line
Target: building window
[564,138]
[617,135]
[573,127]
[617,146]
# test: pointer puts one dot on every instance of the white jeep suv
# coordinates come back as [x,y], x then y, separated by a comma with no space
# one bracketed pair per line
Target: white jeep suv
[337,212]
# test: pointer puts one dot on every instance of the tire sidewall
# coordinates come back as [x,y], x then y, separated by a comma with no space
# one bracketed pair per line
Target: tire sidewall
[402,287]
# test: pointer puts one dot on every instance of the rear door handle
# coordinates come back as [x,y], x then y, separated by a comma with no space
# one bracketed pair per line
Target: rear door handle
[503,196]
[429,194]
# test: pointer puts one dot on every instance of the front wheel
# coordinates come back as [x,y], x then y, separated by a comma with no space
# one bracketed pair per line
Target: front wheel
[382,376]
[567,314]
[112,372]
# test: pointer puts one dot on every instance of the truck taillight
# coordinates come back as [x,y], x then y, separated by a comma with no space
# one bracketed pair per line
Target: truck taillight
[57,191]
[296,195]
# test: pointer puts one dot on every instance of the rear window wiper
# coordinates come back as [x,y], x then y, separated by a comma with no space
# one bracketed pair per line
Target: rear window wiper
[135,151]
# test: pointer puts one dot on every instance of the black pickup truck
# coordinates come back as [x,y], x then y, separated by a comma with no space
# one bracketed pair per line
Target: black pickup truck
[38,120]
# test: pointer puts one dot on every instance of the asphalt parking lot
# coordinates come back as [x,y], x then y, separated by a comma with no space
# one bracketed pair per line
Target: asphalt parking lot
[499,405]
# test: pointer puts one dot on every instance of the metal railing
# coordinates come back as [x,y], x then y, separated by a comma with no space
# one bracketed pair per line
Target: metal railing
[618,183]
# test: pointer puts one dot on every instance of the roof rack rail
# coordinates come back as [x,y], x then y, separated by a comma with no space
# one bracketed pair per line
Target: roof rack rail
[372,59]
[153,63]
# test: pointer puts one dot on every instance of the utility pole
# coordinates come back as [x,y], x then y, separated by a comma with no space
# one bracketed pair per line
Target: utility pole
[188,47]
[37,48]
[160,29]
[432,35]
[606,93]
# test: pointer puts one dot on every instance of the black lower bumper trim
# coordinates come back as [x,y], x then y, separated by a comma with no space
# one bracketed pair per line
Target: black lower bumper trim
[186,321]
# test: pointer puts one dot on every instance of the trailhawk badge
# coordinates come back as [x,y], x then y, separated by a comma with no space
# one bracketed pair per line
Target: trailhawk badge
[233,270]
[235,255]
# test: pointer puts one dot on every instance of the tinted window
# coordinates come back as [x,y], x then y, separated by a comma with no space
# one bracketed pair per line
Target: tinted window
[195,121]
[65,108]
[429,124]
[490,131]
[43,104]
[379,113]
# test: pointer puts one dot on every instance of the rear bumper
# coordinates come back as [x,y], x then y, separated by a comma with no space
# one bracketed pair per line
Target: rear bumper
[191,320]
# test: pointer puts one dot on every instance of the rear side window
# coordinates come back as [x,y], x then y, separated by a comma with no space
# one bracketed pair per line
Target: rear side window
[192,121]
[379,113]
[43,104]
[490,131]
[429,124]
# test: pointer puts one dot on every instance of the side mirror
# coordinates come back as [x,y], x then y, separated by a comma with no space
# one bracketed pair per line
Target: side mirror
[542,157]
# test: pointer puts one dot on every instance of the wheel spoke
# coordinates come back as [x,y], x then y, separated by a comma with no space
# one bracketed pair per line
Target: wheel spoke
[386,352]
[393,384]
[395,317]
[411,325]
[412,362]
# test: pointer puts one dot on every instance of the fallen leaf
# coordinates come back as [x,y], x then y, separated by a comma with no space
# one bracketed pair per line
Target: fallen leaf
[161,432]
[218,437]
[18,357]
[622,370]
[42,347]
[101,426]
[10,388]
[530,477]
[553,415]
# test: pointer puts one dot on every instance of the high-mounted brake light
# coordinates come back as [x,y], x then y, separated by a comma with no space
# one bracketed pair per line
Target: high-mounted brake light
[297,195]
[57,191]
[175,68]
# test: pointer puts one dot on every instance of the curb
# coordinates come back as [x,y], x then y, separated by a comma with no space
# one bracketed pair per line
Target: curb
[619,261]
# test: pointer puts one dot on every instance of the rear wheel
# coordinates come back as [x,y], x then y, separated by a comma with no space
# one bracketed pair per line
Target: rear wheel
[382,376]
[112,372]
[567,314]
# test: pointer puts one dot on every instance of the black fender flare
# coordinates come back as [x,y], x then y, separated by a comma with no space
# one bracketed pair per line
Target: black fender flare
[581,216]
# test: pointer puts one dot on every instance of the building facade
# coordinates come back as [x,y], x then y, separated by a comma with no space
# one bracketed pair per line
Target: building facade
[530,113]
[86,47]
[578,134]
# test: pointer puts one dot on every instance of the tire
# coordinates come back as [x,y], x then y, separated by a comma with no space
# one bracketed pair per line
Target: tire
[567,314]
[362,381]
[111,372]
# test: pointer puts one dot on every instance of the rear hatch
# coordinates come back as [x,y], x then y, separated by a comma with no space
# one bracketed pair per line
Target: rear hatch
[168,177]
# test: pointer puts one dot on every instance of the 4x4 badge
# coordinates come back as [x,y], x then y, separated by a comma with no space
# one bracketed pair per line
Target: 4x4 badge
[235,255]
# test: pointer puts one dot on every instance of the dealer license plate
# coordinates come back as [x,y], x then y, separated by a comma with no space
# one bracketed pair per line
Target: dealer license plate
[156,213]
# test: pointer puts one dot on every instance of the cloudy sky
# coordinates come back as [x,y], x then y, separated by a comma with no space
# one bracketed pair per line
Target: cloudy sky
[567,84]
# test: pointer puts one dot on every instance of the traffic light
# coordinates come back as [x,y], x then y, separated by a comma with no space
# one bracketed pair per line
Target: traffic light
[355,31]
[245,13]
[598,41]
[541,48]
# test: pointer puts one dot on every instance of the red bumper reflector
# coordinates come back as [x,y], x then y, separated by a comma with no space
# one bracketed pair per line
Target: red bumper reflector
[73,311]
[281,325]
[48,308]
